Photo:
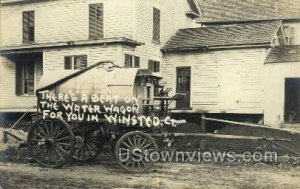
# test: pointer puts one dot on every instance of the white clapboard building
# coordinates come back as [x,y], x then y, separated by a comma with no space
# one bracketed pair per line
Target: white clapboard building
[43,36]
[242,63]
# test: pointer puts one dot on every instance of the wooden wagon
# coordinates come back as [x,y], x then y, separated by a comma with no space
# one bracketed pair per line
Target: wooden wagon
[79,113]
[105,104]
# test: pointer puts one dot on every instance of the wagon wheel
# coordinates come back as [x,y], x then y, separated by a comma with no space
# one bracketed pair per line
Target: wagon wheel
[89,141]
[51,142]
[133,151]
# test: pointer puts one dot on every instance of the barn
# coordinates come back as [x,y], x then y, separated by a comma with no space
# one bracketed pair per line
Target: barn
[282,87]
[219,69]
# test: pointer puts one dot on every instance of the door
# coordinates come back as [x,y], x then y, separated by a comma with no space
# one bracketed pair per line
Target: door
[28,80]
[229,87]
[25,78]
[183,86]
[292,100]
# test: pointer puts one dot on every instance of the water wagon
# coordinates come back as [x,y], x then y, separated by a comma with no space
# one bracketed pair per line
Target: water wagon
[103,103]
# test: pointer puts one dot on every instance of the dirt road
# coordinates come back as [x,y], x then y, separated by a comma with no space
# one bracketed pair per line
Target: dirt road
[164,175]
[107,174]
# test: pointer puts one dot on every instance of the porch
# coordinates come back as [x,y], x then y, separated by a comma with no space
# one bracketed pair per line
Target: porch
[20,76]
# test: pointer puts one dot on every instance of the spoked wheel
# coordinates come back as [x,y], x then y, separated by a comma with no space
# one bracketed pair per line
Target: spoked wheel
[89,141]
[134,151]
[51,142]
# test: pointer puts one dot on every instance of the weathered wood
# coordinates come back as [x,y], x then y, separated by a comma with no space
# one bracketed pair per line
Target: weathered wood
[249,124]
[284,147]
[203,123]
[235,122]
[220,136]
[6,133]
[206,79]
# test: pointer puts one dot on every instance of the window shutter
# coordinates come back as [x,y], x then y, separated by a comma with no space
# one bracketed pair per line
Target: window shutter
[127,61]
[28,26]
[96,21]
[100,20]
[136,62]
[30,78]
[83,62]
[150,65]
[156,25]
[80,62]
[19,79]
[31,26]
[156,66]
[25,27]
[193,6]
[92,19]
[68,62]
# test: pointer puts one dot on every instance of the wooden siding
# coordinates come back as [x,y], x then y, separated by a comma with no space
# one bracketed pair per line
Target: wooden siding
[9,101]
[274,85]
[295,28]
[54,59]
[212,73]
[67,20]
[172,18]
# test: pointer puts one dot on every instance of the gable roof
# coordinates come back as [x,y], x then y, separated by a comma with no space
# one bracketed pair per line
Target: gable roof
[282,54]
[244,34]
[248,10]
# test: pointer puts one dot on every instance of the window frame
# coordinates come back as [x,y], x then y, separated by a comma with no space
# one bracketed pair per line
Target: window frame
[96,22]
[134,61]
[20,78]
[156,27]
[28,28]
[72,63]
[152,66]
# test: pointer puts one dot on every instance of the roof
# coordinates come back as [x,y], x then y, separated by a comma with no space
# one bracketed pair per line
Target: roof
[247,10]
[38,47]
[242,34]
[281,54]
[15,2]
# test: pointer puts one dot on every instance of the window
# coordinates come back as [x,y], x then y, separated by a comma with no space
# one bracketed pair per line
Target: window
[96,21]
[75,62]
[194,6]
[156,25]
[132,61]
[154,66]
[289,32]
[183,86]
[25,78]
[28,26]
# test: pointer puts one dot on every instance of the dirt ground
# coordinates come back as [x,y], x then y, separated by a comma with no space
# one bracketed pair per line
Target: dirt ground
[163,175]
[104,172]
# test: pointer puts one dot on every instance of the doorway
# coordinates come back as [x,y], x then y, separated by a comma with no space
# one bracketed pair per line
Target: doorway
[183,86]
[292,100]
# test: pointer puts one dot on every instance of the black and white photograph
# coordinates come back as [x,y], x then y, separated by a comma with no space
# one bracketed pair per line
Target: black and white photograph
[149,94]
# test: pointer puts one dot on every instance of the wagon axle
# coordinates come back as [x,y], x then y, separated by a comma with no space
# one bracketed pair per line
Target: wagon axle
[50,142]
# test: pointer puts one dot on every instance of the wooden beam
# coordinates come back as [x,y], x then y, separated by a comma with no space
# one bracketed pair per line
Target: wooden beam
[210,135]
[235,122]
[250,124]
